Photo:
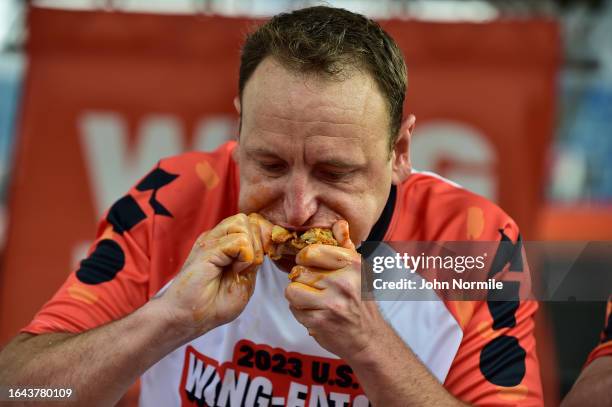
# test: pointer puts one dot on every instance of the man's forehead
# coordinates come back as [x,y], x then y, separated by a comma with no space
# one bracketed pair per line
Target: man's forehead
[274,92]
[314,153]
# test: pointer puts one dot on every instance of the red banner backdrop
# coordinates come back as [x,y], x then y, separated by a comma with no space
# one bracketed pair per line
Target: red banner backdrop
[107,94]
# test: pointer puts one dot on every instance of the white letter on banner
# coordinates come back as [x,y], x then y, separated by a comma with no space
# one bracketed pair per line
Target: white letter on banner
[212,132]
[470,156]
[295,391]
[112,167]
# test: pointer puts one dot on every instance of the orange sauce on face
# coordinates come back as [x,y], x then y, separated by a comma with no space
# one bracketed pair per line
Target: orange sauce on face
[256,201]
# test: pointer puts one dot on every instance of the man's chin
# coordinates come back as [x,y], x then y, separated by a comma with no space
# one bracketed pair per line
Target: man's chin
[285,263]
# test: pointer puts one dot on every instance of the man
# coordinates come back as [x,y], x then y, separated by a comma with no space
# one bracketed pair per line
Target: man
[322,144]
[594,385]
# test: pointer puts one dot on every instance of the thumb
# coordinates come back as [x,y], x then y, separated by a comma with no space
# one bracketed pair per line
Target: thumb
[340,229]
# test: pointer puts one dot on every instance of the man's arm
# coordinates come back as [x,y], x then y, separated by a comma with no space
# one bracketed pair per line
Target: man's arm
[392,375]
[593,385]
[329,302]
[98,365]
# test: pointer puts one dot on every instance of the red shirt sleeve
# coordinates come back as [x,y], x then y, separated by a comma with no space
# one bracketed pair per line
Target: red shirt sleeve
[497,367]
[496,364]
[143,240]
[113,280]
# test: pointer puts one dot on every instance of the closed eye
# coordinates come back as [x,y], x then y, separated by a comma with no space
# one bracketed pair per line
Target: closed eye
[334,176]
[276,168]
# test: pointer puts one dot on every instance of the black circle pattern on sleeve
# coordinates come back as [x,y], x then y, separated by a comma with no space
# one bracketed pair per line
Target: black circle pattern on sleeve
[103,263]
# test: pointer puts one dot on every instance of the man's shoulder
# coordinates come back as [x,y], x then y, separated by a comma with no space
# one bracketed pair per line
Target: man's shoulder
[192,162]
[440,209]
[195,185]
[437,191]
[201,171]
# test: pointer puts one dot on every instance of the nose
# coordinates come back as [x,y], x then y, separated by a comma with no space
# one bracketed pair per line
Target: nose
[300,203]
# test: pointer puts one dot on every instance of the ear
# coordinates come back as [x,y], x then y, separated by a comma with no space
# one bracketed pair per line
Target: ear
[401,152]
[238,110]
[237,104]
[236,153]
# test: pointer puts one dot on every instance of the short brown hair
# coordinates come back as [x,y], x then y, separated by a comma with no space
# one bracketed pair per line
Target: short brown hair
[328,40]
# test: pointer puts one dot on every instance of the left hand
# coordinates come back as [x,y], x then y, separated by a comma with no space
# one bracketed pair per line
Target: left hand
[325,296]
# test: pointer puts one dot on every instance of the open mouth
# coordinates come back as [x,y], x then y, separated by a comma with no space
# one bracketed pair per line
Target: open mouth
[286,244]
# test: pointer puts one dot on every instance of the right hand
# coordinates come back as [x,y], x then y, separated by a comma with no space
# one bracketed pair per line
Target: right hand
[218,278]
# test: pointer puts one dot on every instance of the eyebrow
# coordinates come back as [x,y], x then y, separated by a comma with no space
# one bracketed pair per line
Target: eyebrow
[261,151]
[330,162]
[333,162]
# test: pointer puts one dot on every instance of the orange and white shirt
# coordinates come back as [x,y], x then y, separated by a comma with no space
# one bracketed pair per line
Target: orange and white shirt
[482,353]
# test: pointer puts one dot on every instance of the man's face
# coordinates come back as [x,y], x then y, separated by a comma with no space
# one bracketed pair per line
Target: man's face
[313,150]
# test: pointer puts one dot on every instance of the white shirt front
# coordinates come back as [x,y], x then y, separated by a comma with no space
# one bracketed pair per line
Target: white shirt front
[266,358]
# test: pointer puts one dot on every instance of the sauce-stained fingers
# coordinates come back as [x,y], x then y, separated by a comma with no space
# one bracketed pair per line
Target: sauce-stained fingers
[255,233]
[302,296]
[334,282]
[340,229]
[265,228]
[238,223]
[325,256]
[235,249]
[246,277]
[310,276]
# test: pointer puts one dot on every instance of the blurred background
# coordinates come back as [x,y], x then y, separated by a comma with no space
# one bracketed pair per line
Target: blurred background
[513,100]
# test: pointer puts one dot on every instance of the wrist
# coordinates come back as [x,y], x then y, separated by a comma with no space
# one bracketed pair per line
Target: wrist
[175,329]
[375,350]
